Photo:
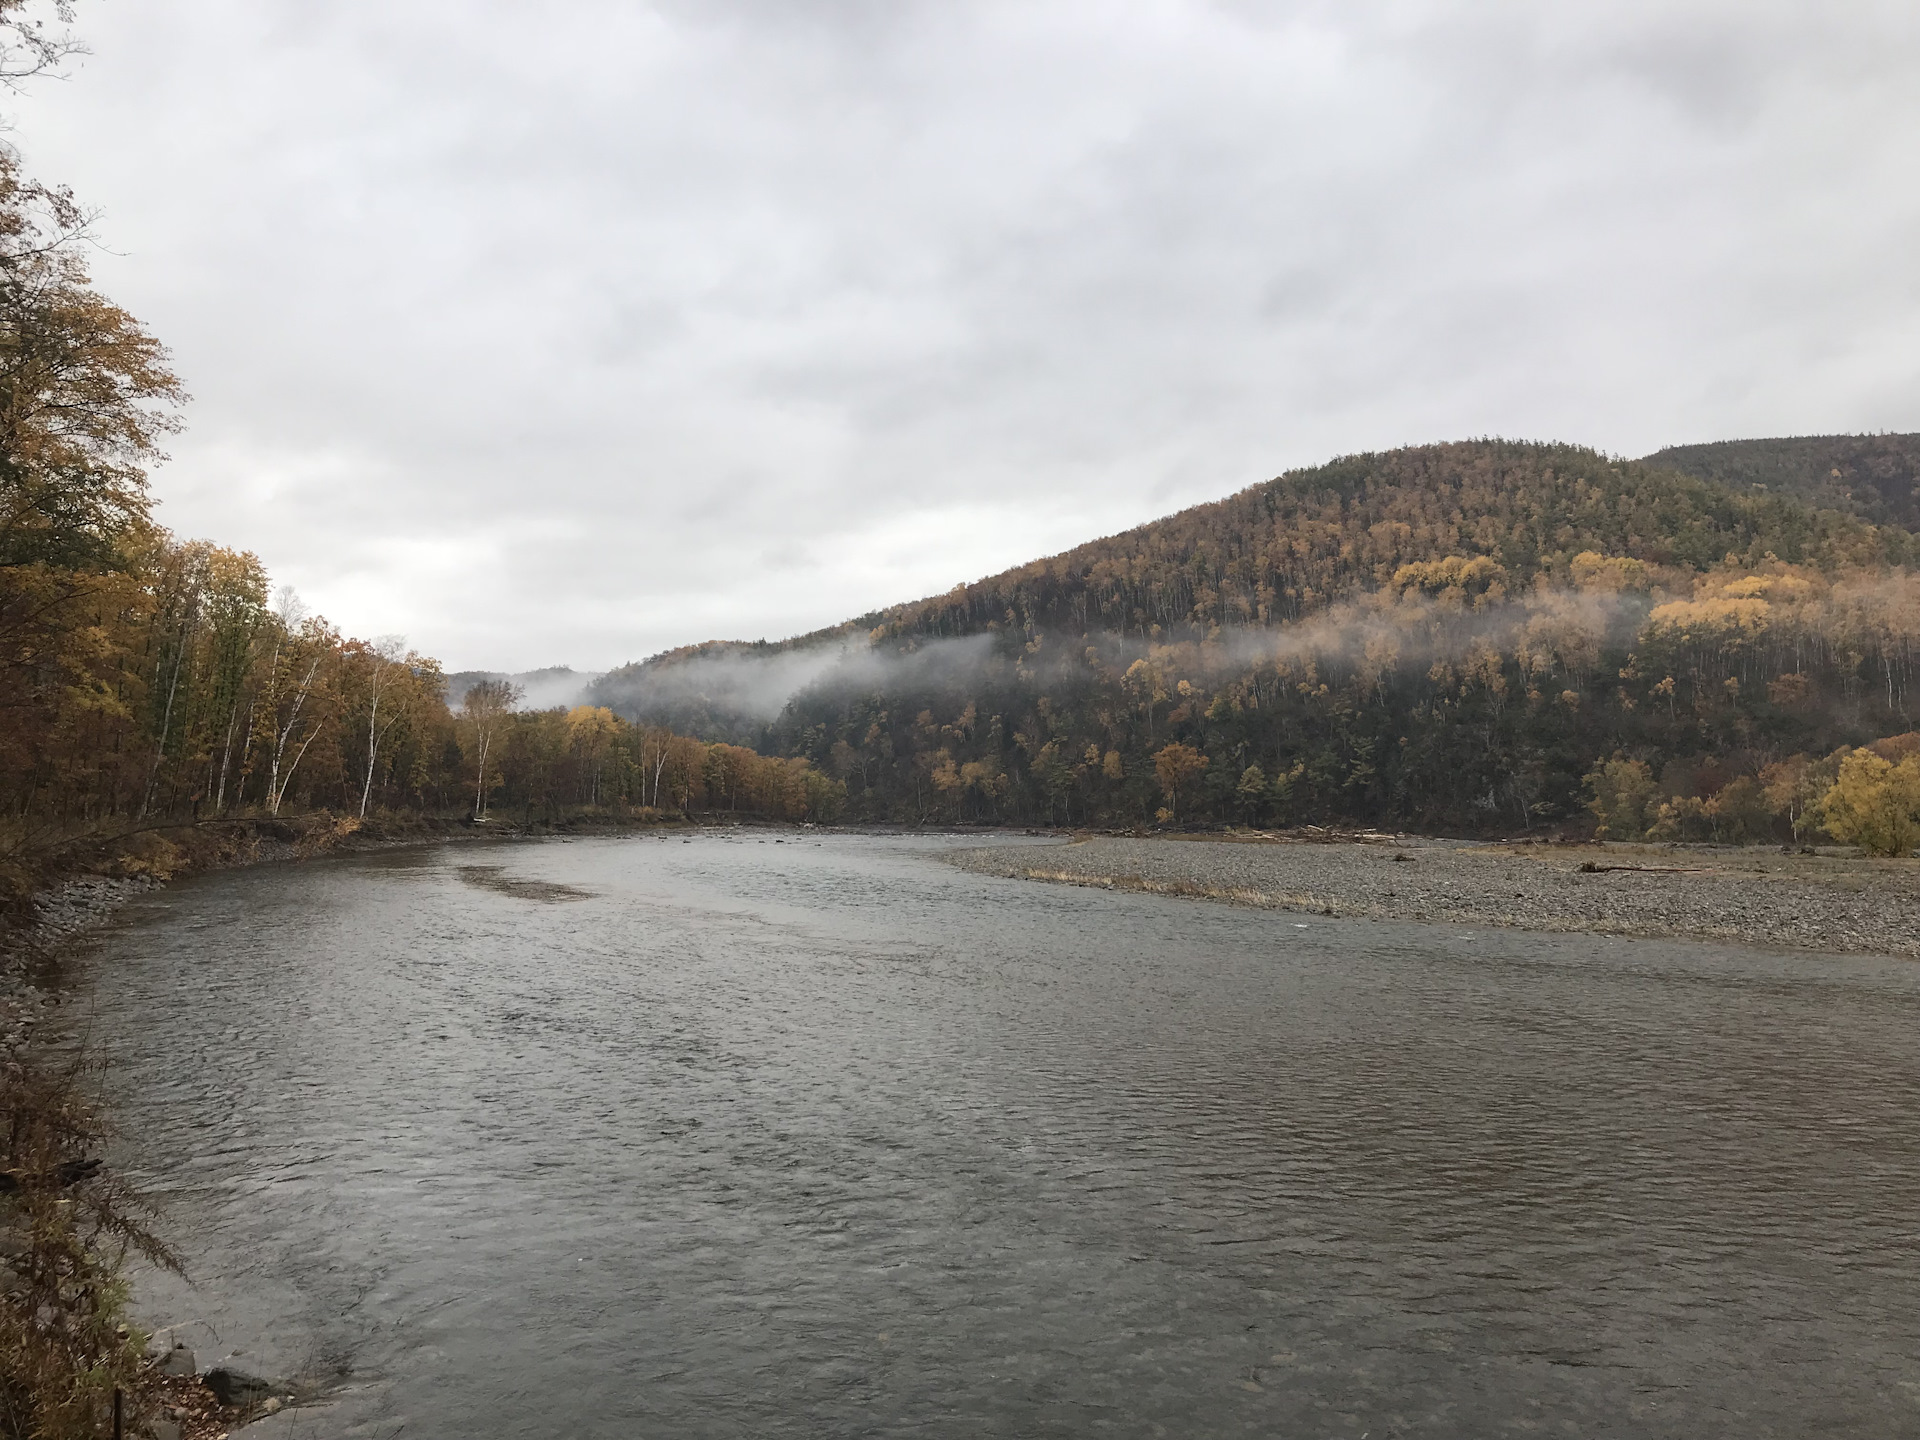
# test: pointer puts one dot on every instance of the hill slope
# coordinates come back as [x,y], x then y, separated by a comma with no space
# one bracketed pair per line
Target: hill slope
[1280,550]
[1876,477]
[1450,636]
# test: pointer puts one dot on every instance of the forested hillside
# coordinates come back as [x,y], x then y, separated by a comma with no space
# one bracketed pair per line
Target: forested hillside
[1455,637]
[1876,477]
[1287,548]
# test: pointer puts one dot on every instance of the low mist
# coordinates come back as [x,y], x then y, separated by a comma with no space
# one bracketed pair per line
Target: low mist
[554,686]
[732,692]
[757,685]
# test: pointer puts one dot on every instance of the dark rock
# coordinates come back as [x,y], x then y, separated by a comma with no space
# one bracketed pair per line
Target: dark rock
[68,1172]
[233,1386]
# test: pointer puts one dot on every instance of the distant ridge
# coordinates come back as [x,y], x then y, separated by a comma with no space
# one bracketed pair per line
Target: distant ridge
[1876,477]
[1287,547]
[1283,549]
[540,689]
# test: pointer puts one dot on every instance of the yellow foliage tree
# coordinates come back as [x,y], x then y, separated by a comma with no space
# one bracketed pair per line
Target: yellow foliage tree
[1875,804]
[1454,578]
[591,731]
[1177,766]
[1607,574]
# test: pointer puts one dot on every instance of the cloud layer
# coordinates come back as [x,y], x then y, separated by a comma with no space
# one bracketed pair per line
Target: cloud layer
[571,339]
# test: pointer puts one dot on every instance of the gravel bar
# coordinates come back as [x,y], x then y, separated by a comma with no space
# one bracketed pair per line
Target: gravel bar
[1807,902]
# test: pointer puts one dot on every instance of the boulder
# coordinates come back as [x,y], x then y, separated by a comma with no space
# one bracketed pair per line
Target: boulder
[178,1361]
[163,1429]
[233,1386]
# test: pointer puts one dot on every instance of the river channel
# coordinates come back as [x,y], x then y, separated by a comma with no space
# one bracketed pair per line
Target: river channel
[773,1134]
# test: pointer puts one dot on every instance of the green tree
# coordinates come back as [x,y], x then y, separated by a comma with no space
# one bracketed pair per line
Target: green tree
[1621,795]
[1740,812]
[1251,793]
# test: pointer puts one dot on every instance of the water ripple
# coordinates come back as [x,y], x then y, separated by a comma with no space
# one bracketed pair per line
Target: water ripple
[832,1139]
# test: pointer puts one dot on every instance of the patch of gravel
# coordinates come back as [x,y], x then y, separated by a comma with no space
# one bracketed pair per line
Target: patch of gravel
[59,914]
[1751,896]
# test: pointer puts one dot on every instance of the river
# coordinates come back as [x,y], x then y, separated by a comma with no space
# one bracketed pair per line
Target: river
[773,1134]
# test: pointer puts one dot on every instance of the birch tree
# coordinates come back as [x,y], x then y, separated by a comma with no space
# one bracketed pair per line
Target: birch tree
[385,665]
[291,707]
[487,708]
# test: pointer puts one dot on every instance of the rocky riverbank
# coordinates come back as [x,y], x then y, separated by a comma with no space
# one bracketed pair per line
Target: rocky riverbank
[51,894]
[1808,902]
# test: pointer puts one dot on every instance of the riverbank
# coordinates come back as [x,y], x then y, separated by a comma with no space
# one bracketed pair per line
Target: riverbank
[1752,896]
[52,892]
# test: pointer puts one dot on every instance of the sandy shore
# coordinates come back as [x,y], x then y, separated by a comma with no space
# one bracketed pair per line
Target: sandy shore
[1754,896]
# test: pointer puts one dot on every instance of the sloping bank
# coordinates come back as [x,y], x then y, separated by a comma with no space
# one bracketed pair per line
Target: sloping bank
[1809,902]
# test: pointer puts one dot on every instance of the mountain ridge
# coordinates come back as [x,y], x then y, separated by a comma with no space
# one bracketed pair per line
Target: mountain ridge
[1874,476]
[1695,545]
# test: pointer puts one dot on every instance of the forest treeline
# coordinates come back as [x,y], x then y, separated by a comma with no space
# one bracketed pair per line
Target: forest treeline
[153,680]
[161,682]
[148,680]
[1456,637]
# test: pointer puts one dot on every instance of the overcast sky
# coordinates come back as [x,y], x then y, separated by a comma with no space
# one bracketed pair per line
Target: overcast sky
[566,333]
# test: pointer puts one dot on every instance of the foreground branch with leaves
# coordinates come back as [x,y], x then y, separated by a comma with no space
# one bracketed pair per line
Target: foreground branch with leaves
[67,1227]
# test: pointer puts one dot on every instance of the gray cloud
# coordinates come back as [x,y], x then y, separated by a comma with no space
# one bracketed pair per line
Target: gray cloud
[576,339]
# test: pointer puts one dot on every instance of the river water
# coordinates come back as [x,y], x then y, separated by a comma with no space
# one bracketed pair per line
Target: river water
[823,1137]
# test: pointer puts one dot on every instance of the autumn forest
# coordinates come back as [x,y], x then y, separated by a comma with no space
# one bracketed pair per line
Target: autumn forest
[1488,637]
